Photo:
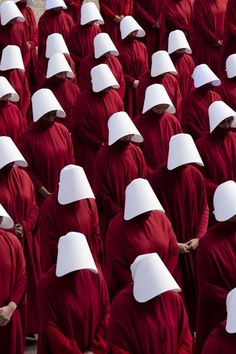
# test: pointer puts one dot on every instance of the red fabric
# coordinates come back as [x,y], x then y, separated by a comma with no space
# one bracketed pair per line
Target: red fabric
[47,149]
[18,198]
[111,8]
[134,60]
[184,65]
[158,326]
[189,219]
[230,30]
[227,91]
[168,81]
[116,166]
[90,129]
[67,94]
[86,64]
[13,287]
[156,131]
[208,28]
[11,121]
[195,111]
[73,9]
[220,342]
[125,240]
[74,313]
[216,267]
[57,220]
[53,21]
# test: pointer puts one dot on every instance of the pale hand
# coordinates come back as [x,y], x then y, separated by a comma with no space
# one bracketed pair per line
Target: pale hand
[117,19]
[135,84]
[6,313]
[193,244]
[19,231]
[183,248]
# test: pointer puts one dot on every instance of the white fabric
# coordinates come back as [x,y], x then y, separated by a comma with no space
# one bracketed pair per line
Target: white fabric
[73,185]
[55,43]
[218,111]
[103,44]
[44,101]
[74,254]
[203,75]
[140,198]
[231,311]
[120,125]
[10,153]
[57,64]
[176,41]
[6,88]
[29,2]
[231,66]
[52,4]
[102,78]
[155,95]
[11,58]
[161,64]
[128,25]
[9,11]
[224,201]
[151,277]
[89,12]
[7,222]
[182,151]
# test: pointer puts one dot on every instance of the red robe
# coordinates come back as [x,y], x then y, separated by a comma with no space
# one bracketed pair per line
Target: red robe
[18,198]
[195,111]
[67,93]
[13,287]
[57,220]
[230,30]
[73,9]
[111,8]
[53,21]
[11,121]
[216,269]
[208,28]
[189,219]
[127,239]
[116,166]
[156,131]
[90,129]
[134,59]
[86,64]
[47,149]
[220,342]
[184,65]
[82,324]
[227,91]
[158,326]
[168,81]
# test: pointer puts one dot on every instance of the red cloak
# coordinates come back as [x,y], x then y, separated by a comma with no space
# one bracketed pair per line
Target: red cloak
[230,30]
[125,240]
[184,65]
[73,9]
[13,286]
[82,324]
[220,342]
[11,121]
[227,91]
[158,326]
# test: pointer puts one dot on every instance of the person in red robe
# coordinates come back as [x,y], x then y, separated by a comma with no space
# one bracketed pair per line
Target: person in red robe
[134,60]
[180,53]
[46,144]
[73,9]
[12,67]
[216,264]
[208,33]
[58,80]
[83,33]
[157,124]
[113,11]
[141,228]
[105,52]
[195,105]
[162,72]
[227,89]
[94,109]
[12,30]
[116,165]
[188,215]
[70,207]
[13,287]
[53,20]
[229,30]
[18,198]
[148,316]
[81,325]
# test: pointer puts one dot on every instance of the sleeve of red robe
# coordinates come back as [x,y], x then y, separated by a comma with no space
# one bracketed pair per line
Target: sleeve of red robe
[59,343]
[32,217]
[201,24]
[145,15]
